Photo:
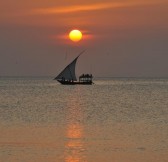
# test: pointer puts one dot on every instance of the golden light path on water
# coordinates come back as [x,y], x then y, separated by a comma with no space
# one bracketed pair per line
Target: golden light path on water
[74,147]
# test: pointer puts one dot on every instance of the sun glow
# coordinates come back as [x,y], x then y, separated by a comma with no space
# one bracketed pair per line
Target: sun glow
[75,35]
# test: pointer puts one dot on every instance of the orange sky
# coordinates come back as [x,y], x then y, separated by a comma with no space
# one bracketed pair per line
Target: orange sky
[131,33]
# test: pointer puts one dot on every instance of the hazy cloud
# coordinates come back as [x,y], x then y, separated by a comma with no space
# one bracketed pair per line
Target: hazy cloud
[89,7]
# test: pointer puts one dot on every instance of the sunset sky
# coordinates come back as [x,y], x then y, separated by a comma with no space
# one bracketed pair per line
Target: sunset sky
[122,38]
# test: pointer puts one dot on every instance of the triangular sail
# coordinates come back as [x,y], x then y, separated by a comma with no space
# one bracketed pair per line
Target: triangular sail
[69,72]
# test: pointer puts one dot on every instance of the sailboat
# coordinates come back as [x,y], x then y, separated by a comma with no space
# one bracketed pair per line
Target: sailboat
[68,76]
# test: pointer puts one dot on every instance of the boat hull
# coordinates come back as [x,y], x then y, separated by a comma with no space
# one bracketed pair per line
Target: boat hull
[74,83]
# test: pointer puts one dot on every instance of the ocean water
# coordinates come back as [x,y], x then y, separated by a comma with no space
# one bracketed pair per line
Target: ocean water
[114,120]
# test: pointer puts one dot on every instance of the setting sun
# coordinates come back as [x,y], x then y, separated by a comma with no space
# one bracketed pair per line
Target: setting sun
[75,35]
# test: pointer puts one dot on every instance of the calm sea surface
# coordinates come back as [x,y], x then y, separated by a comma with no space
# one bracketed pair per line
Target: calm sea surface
[114,120]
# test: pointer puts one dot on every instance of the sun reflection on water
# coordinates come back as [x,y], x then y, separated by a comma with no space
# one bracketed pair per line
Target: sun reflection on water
[74,146]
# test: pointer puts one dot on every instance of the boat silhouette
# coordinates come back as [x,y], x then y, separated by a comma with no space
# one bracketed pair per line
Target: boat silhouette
[68,77]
